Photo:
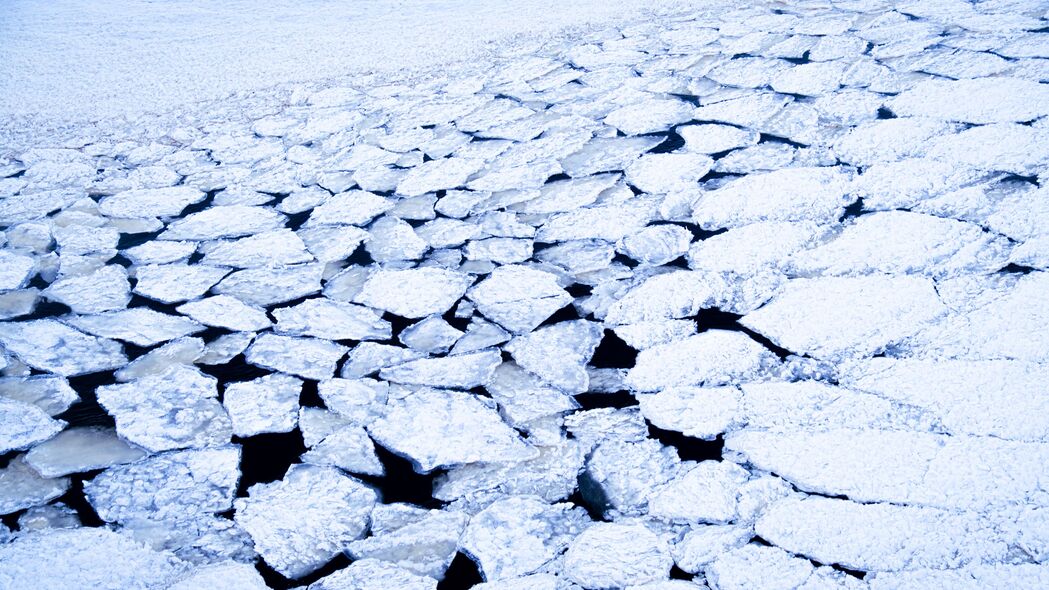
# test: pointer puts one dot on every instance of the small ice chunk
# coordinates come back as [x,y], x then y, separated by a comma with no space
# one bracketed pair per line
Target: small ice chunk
[267,404]
[523,398]
[332,320]
[358,401]
[831,318]
[183,351]
[269,286]
[573,193]
[519,298]
[330,244]
[76,450]
[703,544]
[224,348]
[611,222]
[271,248]
[51,516]
[431,335]
[150,202]
[614,555]
[748,111]
[172,486]
[53,395]
[809,79]
[368,357]
[750,248]
[439,174]
[499,250]
[415,292]
[626,473]
[439,428]
[558,353]
[480,334]
[105,289]
[392,240]
[173,410]
[664,173]
[699,412]
[304,520]
[18,303]
[15,270]
[518,535]
[174,283]
[995,99]
[705,493]
[650,116]
[463,371]
[56,348]
[646,334]
[372,573]
[224,311]
[714,138]
[552,476]
[792,194]
[349,448]
[229,221]
[25,425]
[140,326]
[607,154]
[230,575]
[425,544]
[714,357]
[754,565]
[656,244]
[22,487]
[91,558]
[309,358]
[160,252]
[445,232]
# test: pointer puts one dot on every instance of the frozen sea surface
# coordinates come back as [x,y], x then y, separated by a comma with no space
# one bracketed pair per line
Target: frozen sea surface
[716,298]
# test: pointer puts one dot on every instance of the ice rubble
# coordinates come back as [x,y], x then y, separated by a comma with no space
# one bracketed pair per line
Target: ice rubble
[751,297]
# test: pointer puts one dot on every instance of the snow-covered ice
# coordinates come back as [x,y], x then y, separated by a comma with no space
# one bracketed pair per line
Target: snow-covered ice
[709,295]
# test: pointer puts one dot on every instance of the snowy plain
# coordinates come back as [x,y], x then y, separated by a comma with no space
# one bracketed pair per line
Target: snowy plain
[719,297]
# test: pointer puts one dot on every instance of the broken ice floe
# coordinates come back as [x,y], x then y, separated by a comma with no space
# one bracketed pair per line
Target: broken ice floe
[758,288]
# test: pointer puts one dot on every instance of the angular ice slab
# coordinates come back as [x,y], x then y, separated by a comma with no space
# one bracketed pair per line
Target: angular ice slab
[76,450]
[140,326]
[25,425]
[267,404]
[56,348]
[173,410]
[304,520]
[834,318]
[714,357]
[441,428]
[171,486]
[415,292]
[91,558]
[331,320]
[558,353]
[519,535]
[612,555]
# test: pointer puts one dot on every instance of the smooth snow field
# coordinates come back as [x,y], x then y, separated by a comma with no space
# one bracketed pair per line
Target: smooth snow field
[720,298]
[96,58]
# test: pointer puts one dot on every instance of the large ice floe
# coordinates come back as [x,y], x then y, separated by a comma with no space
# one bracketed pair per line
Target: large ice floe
[735,297]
